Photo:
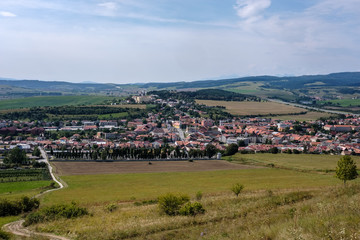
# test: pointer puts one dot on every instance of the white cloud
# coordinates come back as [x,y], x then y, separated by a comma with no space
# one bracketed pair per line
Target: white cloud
[249,9]
[108,5]
[7,14]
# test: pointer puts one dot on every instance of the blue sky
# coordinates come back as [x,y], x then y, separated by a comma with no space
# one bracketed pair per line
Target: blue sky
[129,41]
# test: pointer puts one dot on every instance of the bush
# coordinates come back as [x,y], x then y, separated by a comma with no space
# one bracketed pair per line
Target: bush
[199,195]
[13,208]
[191,209]
[237,188]
[171,203]
[111,207]
[4,235]
[55,212]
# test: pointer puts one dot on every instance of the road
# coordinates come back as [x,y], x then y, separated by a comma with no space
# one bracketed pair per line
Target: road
[17,227]
[181,134]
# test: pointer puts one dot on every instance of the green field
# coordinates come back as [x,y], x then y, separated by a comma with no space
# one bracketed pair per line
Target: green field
[309,116]
[112,116]
[14,190]
[300,202]
[89,189]
[303,162]
[343,102]
[52,101]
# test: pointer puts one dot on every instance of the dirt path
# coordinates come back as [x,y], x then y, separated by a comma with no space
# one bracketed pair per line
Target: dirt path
[17,227]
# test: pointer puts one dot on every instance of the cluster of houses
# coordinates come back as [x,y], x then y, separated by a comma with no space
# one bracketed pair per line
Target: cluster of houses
[339,136]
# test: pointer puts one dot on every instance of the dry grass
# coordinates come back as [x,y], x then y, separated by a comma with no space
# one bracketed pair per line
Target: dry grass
[253,108]
[329,213]
[105,188]
[83,168]
[309,116]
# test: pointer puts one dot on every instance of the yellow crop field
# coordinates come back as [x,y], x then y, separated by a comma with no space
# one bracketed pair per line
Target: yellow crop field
[253,108]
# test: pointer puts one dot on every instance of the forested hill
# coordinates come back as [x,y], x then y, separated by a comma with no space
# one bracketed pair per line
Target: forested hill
[56,85]
[334,79]
[205,94]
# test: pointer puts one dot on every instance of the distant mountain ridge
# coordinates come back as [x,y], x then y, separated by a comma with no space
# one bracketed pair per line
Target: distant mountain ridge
[348,79]
[333,79]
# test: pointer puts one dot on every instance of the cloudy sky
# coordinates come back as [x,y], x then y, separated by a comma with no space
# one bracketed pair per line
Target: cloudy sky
[129,41]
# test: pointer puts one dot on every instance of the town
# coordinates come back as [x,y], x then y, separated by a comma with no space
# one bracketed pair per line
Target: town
[180,129]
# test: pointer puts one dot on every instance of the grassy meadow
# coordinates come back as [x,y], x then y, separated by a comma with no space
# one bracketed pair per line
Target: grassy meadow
[103,188]
[13,190]
[253,108]
[326,213]
[297,199]
[51,101]
[344,102]
[302,162]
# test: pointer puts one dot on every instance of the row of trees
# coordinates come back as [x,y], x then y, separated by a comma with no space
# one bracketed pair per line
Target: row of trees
[130,153]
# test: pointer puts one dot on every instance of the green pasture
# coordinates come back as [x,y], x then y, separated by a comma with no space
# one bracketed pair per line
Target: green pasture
[52,101]
[112,116]
[89,189]
[13,190]
[303,162]
[343,102]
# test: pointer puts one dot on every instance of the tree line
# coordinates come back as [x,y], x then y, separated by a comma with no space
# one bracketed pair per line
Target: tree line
[132,153]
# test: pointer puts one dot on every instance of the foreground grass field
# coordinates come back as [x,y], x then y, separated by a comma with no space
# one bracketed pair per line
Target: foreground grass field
[100,189]
[51,101]
[326,213]
[303,162]
[253,108]
[13,190]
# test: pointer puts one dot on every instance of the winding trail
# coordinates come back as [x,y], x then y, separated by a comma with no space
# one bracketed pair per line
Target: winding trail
[17,227]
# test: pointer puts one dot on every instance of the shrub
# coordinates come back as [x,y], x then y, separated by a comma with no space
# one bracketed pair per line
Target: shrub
[237,188]
[13,208]
[111,207]
[4,235]
[199,195]
[191,209]
[34,217]
[171,203]
[55,212]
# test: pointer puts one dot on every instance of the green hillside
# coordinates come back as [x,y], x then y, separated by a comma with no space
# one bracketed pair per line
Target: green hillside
[51,101]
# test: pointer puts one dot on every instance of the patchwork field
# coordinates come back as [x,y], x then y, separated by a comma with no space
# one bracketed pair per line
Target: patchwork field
[82,168]
[253,108]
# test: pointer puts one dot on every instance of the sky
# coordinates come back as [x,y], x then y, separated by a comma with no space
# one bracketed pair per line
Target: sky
[135,41]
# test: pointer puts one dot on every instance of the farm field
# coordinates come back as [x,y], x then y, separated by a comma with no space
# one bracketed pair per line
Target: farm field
[343,102]
[253,108]
[309,116]
[83,168]
[12,190]
[102,188]
[303,162]
[51,101]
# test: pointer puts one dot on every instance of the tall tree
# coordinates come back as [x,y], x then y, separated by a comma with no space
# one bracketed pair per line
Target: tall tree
[346,169]
[16,156]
